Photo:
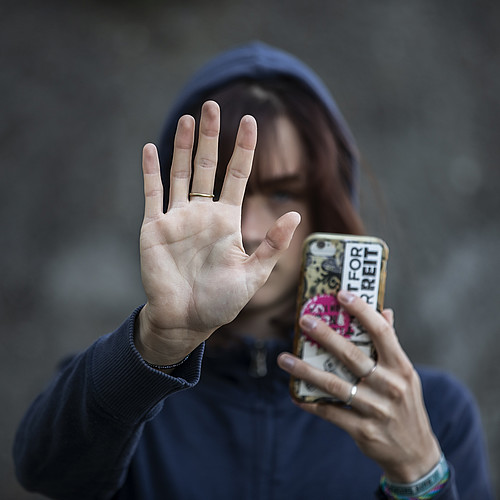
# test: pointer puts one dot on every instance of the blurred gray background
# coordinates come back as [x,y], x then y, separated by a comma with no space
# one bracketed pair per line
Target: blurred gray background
[84,85]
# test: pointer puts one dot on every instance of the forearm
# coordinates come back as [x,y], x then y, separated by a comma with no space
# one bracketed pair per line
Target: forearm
[78,437]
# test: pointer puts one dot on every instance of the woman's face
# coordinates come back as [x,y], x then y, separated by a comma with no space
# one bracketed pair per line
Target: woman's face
[281,188]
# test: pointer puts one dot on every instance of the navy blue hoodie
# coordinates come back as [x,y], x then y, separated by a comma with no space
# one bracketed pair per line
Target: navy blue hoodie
[109,426]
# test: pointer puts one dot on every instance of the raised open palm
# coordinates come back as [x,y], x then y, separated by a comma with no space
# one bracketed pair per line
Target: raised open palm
[196,274]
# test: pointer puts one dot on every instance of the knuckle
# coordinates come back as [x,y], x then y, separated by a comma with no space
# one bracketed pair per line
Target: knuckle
[333,386]
[383,331]
[356,355]
[181,174]
[396,389]
[320,331]
[238,173]
[153,192]
[362,307]
[183,143]
[246,144]
[272,243]
[210,131]
[409,373]
[303,370]
[380,412]
[367,432]
[205,162]
[345,351]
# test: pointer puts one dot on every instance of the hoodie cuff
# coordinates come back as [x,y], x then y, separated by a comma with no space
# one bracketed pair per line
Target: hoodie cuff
[125,386]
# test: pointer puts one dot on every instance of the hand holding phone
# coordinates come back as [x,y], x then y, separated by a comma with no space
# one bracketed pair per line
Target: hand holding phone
[333,262]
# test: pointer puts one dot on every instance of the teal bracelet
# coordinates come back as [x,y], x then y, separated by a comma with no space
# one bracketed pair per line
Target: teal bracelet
[424,488]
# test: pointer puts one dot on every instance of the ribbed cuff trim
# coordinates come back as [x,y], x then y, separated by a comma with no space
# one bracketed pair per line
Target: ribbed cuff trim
[125,386]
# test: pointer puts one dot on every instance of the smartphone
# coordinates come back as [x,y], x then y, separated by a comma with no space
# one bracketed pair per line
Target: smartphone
[333,262]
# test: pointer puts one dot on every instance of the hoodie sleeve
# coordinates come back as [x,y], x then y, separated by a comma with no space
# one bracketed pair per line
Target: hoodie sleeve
[78,437]
[457,424]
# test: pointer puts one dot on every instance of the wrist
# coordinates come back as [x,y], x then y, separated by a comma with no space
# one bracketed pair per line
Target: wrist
[416,466]
[160,347]
[425,487]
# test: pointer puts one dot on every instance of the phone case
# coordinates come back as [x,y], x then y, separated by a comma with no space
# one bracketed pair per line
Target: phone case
[333,262]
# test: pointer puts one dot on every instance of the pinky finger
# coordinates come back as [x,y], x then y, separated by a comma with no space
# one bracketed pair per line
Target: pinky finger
[153,187]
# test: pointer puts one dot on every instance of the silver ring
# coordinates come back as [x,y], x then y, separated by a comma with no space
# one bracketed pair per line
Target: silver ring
[352,394]
[201,195]
[372,369]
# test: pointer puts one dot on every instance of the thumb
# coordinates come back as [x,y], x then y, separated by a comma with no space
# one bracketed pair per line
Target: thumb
[277,240]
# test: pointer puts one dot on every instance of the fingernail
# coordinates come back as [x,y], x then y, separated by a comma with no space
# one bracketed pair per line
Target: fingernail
[287,361]
[308,323]
[345,297]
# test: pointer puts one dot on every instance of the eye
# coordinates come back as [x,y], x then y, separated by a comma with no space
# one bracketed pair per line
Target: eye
[282,196]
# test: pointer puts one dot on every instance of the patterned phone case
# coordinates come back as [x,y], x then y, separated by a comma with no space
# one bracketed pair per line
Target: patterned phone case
[333,262]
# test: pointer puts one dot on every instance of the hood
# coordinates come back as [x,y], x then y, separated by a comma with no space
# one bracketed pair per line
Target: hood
[257,61]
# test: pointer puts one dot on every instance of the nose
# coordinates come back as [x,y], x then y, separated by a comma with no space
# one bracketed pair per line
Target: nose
[256,220]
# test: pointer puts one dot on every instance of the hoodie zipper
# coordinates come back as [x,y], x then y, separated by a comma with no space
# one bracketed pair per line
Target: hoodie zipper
[258,360]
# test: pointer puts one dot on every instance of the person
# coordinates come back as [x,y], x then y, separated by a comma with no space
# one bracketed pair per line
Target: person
[189,397]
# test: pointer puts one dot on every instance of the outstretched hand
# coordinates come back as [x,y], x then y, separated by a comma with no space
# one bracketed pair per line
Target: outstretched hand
[195,272]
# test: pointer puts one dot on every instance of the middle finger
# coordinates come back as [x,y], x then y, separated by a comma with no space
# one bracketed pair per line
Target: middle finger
[345,351]
[205,161]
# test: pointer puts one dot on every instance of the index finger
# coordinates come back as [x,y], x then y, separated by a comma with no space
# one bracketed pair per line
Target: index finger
[153,187]
[379,328]
[240,165]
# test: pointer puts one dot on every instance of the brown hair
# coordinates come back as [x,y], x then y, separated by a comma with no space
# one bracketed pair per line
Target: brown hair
[327,163]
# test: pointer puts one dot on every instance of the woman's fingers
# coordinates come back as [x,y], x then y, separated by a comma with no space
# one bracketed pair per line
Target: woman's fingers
[180,173]
[358,363]
[261,262]
[379,327]
[153,187]
[205,161]
[323,380]
[240,165]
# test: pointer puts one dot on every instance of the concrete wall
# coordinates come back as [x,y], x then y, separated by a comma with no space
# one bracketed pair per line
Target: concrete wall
[84,85]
